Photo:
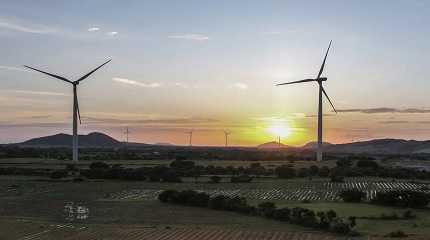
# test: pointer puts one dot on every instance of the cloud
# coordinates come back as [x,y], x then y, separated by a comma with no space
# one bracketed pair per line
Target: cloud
[136,83]
[162,121]
[10,68]
[40,116]
[93,29]
[241,86]
[39,93]
[29,28]
[192,37]
[383,110]
[394,122]
[111,33]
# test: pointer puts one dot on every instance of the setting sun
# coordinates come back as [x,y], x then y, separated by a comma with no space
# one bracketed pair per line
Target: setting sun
[280,130]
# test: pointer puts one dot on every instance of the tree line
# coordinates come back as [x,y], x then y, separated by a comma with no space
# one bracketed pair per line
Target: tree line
[321,220]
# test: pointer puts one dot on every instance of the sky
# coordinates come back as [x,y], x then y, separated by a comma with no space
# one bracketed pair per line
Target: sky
[212,66]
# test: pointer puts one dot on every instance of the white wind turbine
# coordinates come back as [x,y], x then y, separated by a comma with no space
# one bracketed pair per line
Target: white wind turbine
[76,113]
[319,80]
[226,134]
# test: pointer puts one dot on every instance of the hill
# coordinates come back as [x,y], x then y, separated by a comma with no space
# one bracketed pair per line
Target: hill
[272,145]
[94,139]
[382,146]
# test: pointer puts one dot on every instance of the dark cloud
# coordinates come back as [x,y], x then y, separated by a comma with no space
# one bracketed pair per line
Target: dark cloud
[383,110]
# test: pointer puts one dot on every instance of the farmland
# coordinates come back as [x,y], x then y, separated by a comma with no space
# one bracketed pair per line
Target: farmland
[292,190]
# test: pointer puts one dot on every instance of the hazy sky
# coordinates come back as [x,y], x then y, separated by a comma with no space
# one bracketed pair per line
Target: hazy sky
[212,65]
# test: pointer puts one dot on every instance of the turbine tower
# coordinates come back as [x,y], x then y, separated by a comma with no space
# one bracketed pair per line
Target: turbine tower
[126,134]
[76,113]
[320,81]
[226,133]
[190,133]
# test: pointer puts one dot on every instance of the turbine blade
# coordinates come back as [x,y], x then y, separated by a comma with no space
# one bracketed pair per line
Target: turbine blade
[88,74]
[77,106]
[328,99]
[50,74]
[323,64]
[300,81]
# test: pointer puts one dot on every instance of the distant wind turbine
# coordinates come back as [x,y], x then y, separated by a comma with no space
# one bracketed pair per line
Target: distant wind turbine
[190,133]
[319,80]
[126,134]
[76,113]
[226,133]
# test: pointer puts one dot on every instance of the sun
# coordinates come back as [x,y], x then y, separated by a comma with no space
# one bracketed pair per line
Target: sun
[280,130]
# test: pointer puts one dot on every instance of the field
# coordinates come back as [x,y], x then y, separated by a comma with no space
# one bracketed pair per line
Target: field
[41,208]
[59,164]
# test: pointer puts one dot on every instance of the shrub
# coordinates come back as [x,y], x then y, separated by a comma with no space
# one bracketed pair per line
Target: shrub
[266,209]
[352,195]
[241,179]
[167,195]
[365,163]
[397,234]
[337,178]
[59,174]
[404,198]
[218,202]
[282,214]
[285,172]
[215,179]
[99,165]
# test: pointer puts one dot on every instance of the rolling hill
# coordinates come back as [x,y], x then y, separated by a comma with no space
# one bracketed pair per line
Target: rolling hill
[94,139]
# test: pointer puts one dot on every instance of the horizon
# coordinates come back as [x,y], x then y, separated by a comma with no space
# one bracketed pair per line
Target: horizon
[221,69]
[217,146]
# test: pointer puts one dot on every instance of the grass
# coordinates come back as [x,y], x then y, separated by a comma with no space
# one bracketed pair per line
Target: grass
[59,164]
[420,225]
[41,201]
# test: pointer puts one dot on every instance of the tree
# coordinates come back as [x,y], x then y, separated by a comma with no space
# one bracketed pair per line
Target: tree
[285,172]
[215,179]
[352,195]
[266,209]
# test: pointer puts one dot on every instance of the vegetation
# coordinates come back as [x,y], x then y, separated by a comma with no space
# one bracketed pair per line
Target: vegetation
[352,195]
[323,220]
[405,198]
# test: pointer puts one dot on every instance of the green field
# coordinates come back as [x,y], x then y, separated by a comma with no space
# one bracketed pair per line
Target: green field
[43,203]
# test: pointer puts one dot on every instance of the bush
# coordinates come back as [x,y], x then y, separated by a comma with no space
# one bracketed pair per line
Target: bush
[167,195]
[266,209]
[337,178]
[367,164]
[397,234]
[99,165]
[218,202]
[404,198]
[241,179]
[59,174]
[282,214]
[352,195]
[285,171]
[215,179]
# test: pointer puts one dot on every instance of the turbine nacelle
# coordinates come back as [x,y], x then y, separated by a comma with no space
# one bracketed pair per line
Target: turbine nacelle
[321,79]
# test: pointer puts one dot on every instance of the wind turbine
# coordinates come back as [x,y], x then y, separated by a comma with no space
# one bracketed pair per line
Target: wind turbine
[190,133]
[319,80]
[226,133]
[76,113]
[126,132]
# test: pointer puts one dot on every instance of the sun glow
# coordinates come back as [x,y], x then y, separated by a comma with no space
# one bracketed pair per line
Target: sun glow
[280,129]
